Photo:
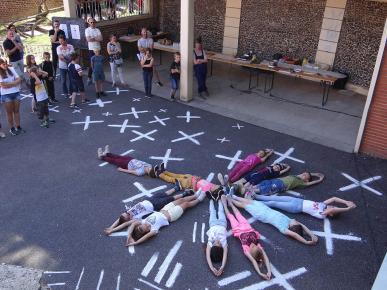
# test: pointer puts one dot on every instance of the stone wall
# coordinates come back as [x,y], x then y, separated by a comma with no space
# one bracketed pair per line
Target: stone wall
[209,21]
[289,27]
[11,10]
[360,38]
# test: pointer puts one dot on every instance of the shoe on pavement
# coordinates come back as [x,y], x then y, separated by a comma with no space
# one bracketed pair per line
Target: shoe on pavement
[99,153]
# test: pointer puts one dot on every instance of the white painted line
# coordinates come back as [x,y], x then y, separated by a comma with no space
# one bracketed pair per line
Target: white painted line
[136,99]
[238,126]
[115,91]
[56,272]
[122,154]
[280,279]
[100,103]
[188,137]
[210,176]
[131,250]
[119,234]
[123,126]
[143,135]
[77,111]
[158,120]
[134,113]
[166,157]
[107,114]
[329,236]
[233,160]
[194,232]
[143,192]
[164,266]
[149,284]
[80,278]
[54,109]
[234,278]
[56,284]
[223,140]
[118,281]
[149,266]
[362,183]
[24,96]
[86,123]
[163,110]
[286,155]
[203,229]
[176,271]
[188,117]
[100,279]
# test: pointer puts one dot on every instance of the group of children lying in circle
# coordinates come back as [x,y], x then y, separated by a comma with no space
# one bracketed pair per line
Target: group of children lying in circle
[244,187]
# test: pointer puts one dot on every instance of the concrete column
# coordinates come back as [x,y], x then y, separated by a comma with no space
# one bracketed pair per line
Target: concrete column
[70,8]
[330,31]
[231,26]
[186,48]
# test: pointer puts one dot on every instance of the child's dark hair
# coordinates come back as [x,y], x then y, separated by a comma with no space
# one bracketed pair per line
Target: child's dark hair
[177,53]
[137,233]
[29,60]
[46,53]
[216,254]
[112,34]
[298,229]
[74,56]
[62,37]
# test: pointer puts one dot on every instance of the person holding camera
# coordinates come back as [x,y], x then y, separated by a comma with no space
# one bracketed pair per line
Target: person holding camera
[115,60]
[64,51]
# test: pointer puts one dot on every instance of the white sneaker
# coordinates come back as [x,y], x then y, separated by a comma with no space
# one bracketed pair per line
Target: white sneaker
[107,150]
[99,153]
[2,135]
[221,179]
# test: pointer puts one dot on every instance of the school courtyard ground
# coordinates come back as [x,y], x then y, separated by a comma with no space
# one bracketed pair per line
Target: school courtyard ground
[57,198]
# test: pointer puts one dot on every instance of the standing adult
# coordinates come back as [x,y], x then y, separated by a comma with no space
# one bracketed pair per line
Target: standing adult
[54,34]
[93,38]
[64,51]
[147,42]
[115,59]
[14,51]
[200,67]
[10,95]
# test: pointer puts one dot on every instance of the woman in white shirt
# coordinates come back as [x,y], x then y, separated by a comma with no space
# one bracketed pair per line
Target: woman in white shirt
[115,59]
[316,209]
[10,95]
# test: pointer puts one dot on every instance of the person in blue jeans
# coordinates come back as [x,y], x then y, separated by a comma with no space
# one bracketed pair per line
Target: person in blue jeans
[175,75]
[285,225]
[216,250]
[147,71]
[64,51]
[200,67]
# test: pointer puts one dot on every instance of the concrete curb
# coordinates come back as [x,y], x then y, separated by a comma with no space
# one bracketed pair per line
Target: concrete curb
[16,277]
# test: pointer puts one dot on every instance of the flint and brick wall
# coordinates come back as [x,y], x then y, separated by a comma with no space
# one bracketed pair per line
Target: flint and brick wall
[375,134]
[359,40]
[18,9]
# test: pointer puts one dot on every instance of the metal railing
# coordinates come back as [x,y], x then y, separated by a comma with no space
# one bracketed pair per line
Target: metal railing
[103,10]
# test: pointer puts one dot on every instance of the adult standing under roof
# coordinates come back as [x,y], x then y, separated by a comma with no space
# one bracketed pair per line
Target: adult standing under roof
[14,51]
[64,52]
[147,42]
[200,67]
[54,34]
[94,39]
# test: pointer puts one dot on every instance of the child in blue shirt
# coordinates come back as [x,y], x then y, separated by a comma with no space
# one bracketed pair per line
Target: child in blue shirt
[98,75]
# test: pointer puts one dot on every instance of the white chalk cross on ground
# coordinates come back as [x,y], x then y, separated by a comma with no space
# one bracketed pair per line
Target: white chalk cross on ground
[329,236]
[143,135]
[123,126]
[188,137]
[194,232]
[280,279]
[77,111]
[162,270]
[136,99]
[163,110]
[122,154]
[188,117]
[362,183]
[233,159]
[143,192]
[49,273]
[86,123]
[100,103]
[25,96]
[54,109]
[107,114]
[158,120]
[166,158]
[134,113]
[223,140]
[286,155]
[238,126]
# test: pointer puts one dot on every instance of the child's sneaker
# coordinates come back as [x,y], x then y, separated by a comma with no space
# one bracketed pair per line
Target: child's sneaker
[99,153]
[188,192]
[107,150]
[74,106]
[13,131]
[85,101]
[160,84]
[162,167]
[178,186]
[44,124]
[2,135]
[20,130]
[221,179]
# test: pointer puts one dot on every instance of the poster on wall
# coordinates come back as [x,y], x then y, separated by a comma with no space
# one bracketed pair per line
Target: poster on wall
[75,34]
[63,27]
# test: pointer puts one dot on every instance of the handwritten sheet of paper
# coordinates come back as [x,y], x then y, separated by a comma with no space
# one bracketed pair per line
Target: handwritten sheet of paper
[75,34]
[63,26]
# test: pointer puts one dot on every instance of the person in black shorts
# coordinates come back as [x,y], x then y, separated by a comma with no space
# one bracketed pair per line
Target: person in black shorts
[75,74]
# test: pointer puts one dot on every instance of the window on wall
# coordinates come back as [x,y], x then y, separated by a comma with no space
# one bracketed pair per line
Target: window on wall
[103,10]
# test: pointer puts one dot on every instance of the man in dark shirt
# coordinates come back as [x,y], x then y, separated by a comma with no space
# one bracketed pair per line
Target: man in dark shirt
[54,37]
[14,51]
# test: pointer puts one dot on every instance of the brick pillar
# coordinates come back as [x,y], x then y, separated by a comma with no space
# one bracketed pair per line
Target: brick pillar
[231,26]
